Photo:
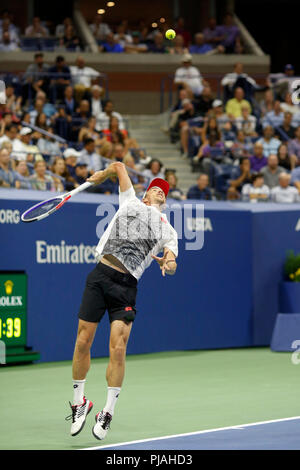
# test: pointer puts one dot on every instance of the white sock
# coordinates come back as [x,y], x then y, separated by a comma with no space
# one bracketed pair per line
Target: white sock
[78,388]
[112,396]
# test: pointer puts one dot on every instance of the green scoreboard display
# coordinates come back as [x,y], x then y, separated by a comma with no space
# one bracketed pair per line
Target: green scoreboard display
[13,317]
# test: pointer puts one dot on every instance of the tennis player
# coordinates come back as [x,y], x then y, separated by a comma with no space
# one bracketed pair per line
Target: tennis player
[138,232]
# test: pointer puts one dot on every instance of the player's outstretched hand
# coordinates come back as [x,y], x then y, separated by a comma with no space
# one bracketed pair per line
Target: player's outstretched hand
[98,177]
[163,263]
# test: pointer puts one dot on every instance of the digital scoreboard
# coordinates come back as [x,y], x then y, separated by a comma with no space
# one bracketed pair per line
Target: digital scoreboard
[13,317]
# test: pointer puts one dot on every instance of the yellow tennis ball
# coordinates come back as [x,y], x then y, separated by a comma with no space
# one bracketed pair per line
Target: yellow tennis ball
[170,34]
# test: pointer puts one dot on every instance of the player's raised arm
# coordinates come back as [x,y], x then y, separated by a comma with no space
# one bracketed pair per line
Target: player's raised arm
[114,169]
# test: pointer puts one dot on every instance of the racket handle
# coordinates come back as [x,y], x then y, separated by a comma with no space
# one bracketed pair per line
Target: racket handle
[80,188]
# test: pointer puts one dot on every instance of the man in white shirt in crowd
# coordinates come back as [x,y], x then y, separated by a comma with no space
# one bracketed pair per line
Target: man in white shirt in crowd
[82,77]
[269,142]
[108,112]
[96,102]
[99,29]
[22,150]
[10,134]
[189,76]
[284,193]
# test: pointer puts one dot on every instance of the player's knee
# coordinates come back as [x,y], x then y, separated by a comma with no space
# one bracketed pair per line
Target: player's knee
[118,353]
[84,341]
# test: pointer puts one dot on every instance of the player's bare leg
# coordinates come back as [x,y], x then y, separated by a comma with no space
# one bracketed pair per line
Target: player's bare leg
[82,356]
[119,335]
[80,367]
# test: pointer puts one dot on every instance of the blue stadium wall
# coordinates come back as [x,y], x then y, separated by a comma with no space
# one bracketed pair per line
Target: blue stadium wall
[223,295]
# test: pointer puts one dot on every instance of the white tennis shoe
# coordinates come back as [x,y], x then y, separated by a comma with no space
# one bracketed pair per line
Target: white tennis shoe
[103,420]
[78,416]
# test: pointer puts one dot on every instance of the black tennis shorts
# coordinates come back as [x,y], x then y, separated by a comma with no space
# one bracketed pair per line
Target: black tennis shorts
[108,289]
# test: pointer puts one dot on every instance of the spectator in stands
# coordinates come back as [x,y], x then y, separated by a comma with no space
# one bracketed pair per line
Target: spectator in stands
[174,191]
[212,33]
[88,129]
[230,33]
[285,160]
[22,181]
[178,46]
[89,156]
[121,37]
[41,180]
[288,104]
[200,190]
[188,112]
[286,128]
[61,174]
[22,150]
[71,157]
[118,152]
[60,78]
[211,153]
[204,102]
[62,123]
[284,193]
[96,103]
[274,118]
[246,122]
[80,117]
[272,171]
[294,145]
[234,105]
[13,101]
[154,170]
[68,101]
[180,29]
[81,173]
[99,29]
[158,45]
[70,41]
[111,45]
[8,133]
[267,104]
[258,160]
[8,177]
[257,191]
[48,146]
[138,44]
[241,175]
[200,46]
[36,30]
[283,82]
[8,27]
[269,142]
[41,106]
[7,44]
[115,135]
[238,78]
[241,148]
[83,77]
[217,112]
[188,76]
[36,77]
[61,28]
[107,114]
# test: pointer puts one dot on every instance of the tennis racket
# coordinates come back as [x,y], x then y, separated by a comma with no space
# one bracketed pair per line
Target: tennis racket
[43,209]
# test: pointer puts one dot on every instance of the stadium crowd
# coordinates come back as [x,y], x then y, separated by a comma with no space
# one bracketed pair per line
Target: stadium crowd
[138,38]
[58,126]
[244,149]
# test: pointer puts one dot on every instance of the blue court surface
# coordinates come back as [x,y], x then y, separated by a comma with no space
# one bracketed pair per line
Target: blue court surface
[281,434]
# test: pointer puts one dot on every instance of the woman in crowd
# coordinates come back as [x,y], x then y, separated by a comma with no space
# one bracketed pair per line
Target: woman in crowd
[23,175]
[48,146]
[40,180]
[286,160]
[61,175]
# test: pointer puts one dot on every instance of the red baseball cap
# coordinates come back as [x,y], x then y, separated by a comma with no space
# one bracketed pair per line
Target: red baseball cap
[160,183]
